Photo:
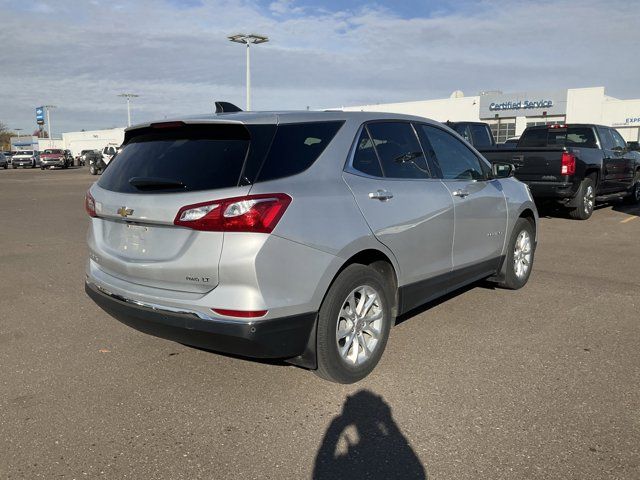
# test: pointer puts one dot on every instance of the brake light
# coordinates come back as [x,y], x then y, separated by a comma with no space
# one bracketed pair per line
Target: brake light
[252,213]
[240,313]
[557,125]
[90,204]
[167,125]
[568,164]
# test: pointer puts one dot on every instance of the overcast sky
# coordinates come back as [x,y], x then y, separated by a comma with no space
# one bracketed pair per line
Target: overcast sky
[80,54]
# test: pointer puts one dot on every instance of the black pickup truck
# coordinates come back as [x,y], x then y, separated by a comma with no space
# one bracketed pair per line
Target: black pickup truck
[575,165]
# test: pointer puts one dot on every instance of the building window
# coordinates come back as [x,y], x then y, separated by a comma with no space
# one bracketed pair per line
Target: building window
[503,129]
[535,122]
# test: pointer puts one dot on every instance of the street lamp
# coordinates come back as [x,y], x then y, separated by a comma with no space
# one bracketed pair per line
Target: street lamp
[128,96]
[49,107]
[248,40]
[17,130]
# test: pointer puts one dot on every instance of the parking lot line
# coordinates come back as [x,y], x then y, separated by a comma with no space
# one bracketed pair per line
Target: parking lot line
[628,219]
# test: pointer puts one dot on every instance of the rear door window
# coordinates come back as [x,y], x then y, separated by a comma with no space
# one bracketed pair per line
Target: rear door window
[296,147]
[398,149]
[559,137]
[365,159]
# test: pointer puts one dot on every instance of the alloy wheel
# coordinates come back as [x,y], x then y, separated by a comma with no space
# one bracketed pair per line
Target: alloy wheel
[359,326]
[522,254]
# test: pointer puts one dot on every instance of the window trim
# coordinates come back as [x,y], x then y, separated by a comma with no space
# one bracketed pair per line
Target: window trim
[349,168]
[485,166]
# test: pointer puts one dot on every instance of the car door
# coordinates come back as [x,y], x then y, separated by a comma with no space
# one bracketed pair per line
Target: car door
[612,162]
[626,157]
[407,210]
[480,208]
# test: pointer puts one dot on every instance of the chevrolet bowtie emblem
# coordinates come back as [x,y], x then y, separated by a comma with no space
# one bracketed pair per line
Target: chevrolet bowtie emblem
[124,212]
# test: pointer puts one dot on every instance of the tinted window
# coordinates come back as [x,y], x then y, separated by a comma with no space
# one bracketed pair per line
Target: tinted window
[618,140]
[564,137]
[455,159]
[198,158]
[365,159]
[295,147]
[463,131]
[398,150]
[481,136]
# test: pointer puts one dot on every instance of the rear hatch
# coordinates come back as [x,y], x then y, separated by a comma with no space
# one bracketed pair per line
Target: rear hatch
[161,169]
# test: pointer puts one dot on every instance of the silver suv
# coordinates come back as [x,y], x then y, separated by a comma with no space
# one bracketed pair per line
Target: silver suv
[299,236]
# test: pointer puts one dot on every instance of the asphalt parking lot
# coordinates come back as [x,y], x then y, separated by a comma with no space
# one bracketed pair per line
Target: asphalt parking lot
[487,384]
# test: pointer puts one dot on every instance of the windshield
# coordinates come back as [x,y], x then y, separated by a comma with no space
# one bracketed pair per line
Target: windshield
[59,152]
[25,152]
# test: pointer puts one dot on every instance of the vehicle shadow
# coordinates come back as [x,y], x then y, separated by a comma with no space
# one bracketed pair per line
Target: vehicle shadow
[364,442]
[626,208]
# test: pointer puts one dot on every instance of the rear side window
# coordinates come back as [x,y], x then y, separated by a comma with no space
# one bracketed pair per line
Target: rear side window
[398,149]
[187,159]
[296,147]
[481,136]
[463,131]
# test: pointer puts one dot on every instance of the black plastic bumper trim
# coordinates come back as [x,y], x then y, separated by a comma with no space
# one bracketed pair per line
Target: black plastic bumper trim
[284,337]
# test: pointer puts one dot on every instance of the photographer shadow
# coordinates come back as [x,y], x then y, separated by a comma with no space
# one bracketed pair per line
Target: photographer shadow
[364,442]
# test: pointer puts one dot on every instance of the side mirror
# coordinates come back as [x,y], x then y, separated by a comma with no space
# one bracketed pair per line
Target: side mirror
[503,170]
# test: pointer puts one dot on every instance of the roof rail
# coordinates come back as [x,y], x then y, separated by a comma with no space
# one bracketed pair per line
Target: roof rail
[226,107]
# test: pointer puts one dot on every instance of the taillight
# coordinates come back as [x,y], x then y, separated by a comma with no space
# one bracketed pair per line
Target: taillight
[252,213]
[90,204]
[240,313]
[568,164]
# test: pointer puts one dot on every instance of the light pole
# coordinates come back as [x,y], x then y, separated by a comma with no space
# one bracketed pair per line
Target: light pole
[128,96]
[248,40]
[16,130]
[49,107]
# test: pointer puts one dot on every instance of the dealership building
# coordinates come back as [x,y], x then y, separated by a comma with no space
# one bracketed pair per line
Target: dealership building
[509,114]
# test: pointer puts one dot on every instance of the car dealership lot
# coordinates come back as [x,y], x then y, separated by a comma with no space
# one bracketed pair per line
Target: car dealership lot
[536,383]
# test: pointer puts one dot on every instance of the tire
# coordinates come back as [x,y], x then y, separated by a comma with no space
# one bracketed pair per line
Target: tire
[634,193]
[520,255]
[92,170]
[353,364]
[586,197]
[41,168]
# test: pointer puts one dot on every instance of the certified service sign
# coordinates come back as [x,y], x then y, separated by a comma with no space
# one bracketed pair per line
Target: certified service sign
[521,104]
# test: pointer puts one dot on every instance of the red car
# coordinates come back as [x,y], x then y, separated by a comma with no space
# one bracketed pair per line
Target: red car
[54,157]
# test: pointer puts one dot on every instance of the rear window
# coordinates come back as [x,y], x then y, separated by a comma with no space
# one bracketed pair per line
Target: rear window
[561,137]
[208,157]
[181,159]
[481,136]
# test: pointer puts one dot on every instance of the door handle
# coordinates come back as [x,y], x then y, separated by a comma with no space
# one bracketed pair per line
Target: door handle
[461,193]
[382,195]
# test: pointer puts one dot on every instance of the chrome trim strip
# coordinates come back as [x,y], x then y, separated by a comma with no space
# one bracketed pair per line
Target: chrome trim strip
[164,308]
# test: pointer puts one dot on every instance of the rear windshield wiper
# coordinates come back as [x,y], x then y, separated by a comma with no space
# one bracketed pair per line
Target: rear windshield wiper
[156,183]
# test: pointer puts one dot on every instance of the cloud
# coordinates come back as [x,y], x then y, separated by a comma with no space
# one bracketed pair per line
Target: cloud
[176,56]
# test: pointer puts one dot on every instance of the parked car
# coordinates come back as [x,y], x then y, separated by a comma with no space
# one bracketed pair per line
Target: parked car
[477,134]
[25,158]
[4,162]
[82,158]
[108,152]
[95,160]
[8,154]
[248,233]
[574,165]
[55,157]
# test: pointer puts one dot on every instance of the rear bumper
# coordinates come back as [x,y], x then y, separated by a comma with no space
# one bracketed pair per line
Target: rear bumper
[284,338]
[552,190]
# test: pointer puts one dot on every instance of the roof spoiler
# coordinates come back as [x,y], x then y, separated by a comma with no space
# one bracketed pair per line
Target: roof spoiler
[226,107]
